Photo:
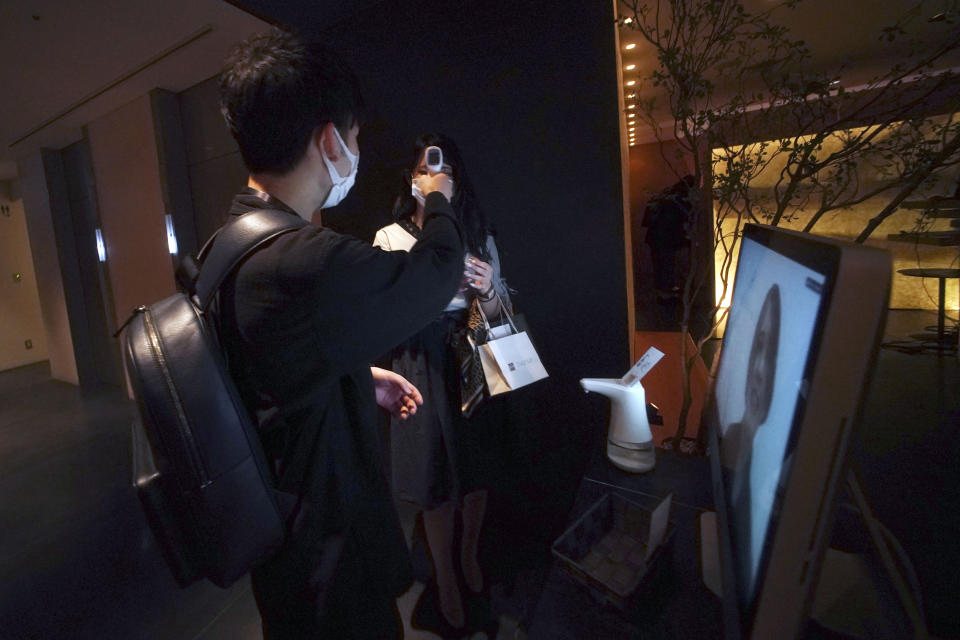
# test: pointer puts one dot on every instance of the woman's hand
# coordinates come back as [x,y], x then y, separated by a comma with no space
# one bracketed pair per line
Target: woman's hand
[395,393]
[479,276]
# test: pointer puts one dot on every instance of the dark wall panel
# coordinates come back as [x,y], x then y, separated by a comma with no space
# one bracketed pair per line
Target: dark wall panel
[174,173]
[213,184]
[104,352]
[214,164]
[529,92]
[70,183]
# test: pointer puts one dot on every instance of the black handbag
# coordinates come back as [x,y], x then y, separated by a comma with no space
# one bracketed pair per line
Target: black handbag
[467,342]
[199,468]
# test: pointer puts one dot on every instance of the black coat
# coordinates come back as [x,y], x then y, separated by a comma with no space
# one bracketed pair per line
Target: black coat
[301,321]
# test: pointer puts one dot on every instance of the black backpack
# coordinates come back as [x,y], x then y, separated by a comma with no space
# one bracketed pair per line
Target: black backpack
[199,469]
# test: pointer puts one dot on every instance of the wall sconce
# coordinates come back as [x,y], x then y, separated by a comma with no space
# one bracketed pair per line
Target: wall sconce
[101,248]
[171,235]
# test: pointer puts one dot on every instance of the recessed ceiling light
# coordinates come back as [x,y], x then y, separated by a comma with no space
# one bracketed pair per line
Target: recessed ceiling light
[630,45]
[631,95]
[631,106]
[630,83]
[630,67]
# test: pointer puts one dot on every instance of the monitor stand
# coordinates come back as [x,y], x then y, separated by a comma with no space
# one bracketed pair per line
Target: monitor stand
[847,599]
[710,553]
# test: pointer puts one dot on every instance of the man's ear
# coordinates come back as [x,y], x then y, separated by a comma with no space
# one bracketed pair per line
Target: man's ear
[326,140]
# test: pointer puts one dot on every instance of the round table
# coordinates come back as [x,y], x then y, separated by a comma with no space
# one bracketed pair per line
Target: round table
[941,275]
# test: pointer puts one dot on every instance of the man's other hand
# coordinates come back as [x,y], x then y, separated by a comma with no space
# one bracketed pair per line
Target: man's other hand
[395,393]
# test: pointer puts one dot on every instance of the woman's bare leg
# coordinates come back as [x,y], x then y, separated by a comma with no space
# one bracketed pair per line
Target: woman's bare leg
[438,524]
[474,508]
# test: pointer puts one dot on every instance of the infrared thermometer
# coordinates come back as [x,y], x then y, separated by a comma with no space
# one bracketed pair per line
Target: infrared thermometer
[434,159]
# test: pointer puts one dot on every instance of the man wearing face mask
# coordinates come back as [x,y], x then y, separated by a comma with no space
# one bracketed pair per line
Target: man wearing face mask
[302,318]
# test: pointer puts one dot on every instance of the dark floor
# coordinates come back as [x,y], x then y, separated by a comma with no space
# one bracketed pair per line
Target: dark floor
[77,560]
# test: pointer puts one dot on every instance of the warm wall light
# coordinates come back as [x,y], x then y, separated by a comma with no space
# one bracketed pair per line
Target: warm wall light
[630,67]
[630,45]
[631,83]
[101,248]
[171,235]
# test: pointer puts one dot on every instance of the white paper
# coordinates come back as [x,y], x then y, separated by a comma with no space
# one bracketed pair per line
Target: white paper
[494,333]
[642,367]
[658,525]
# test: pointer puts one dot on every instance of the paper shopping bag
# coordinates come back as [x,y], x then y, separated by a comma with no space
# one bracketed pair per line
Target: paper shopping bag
[510,362]
[496,383]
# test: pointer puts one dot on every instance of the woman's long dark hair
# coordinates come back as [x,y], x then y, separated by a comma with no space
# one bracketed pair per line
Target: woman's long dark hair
[464,201]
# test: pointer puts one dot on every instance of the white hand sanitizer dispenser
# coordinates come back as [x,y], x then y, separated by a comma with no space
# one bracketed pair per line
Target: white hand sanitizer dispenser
[629,441]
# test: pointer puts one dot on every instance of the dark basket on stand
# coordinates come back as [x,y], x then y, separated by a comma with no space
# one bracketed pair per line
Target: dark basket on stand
[605,550]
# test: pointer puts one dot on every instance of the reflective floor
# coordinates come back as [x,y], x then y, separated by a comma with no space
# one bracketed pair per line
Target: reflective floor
[77,561]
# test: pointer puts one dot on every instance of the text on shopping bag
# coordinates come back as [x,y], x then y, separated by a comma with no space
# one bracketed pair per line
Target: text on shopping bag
[518,360]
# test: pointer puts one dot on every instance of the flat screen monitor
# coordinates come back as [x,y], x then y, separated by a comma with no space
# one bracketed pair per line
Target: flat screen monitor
[801,338]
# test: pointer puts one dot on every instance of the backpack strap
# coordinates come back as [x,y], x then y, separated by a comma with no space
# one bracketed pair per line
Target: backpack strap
[234,242]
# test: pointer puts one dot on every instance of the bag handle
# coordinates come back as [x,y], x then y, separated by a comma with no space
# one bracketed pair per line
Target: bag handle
[236,241]
[503,312]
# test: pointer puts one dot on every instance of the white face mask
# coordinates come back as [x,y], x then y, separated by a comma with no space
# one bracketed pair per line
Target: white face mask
[415,190]
[341,184]
[417,193]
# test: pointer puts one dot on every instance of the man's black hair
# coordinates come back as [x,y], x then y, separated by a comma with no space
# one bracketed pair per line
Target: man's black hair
[276,90]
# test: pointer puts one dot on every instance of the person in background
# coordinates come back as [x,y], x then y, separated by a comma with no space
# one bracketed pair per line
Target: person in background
[438,458]
[301,320]
[667,218]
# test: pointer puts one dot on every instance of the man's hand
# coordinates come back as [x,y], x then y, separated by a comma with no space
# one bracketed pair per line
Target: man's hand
[395,393]
[436,182]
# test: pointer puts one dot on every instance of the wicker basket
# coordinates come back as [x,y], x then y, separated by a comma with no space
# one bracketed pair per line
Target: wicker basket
[606,548]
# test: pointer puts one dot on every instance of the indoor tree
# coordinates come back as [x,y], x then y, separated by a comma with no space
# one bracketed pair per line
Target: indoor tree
[737,93]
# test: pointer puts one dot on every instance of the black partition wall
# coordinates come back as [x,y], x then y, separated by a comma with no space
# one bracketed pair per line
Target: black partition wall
[73,201]
[529,92]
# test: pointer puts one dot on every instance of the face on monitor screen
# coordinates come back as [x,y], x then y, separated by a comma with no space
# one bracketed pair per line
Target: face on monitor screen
[759,388]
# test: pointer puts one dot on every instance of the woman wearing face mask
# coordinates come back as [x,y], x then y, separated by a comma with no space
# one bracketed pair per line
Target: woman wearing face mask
[438,455]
